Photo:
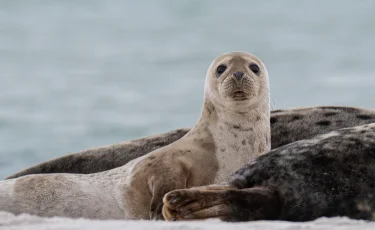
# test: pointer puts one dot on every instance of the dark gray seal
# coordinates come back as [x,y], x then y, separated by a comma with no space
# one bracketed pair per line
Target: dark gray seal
[327,176]
[287,126]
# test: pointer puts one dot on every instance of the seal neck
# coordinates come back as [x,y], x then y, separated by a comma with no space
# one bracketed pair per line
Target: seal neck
[243,120]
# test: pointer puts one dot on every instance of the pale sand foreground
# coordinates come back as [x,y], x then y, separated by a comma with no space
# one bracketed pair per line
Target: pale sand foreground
[10,221]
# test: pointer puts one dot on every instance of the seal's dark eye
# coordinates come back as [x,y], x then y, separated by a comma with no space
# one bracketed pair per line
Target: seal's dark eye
[254,67]
[221,69]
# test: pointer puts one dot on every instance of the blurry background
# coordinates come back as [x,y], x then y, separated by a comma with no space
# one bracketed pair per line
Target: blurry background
[82,74]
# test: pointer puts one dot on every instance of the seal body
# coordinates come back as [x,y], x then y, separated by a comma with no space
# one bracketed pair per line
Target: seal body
[73,195]
[233,129]
[326,176]
[287,126]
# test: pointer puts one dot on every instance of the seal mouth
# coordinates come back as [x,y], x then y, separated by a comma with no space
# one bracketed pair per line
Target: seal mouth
[239,95]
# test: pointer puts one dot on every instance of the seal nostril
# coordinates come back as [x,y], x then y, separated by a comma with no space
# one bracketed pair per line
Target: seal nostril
[238,75]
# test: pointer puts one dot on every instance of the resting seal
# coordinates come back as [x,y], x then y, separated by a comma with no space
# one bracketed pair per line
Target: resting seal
[330,175]
[233,129]
[287,126]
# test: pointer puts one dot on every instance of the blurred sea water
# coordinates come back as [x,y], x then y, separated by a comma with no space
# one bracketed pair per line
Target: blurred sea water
[82,74]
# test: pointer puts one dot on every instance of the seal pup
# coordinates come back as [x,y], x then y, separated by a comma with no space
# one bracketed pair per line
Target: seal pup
[330,175]
[233,129]
[287,126]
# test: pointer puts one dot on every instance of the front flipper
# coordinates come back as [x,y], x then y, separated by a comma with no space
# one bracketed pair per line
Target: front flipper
[227,204]
[159,189]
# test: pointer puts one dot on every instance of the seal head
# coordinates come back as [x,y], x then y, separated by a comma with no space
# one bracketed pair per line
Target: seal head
[237,81]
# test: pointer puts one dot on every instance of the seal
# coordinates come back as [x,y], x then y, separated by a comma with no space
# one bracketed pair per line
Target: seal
[233,129]
[104,158]
[330,175]
[287,126]
[291,125]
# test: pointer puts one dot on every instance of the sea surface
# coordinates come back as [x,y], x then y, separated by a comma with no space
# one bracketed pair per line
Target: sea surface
[78,74]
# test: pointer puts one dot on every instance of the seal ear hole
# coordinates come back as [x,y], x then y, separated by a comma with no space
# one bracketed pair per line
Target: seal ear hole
[220,70]
[254,68]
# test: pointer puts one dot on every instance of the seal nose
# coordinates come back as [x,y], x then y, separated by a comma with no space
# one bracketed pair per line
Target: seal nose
[238,75]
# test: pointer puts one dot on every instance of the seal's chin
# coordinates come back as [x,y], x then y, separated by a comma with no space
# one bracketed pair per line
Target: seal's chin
[239,95]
